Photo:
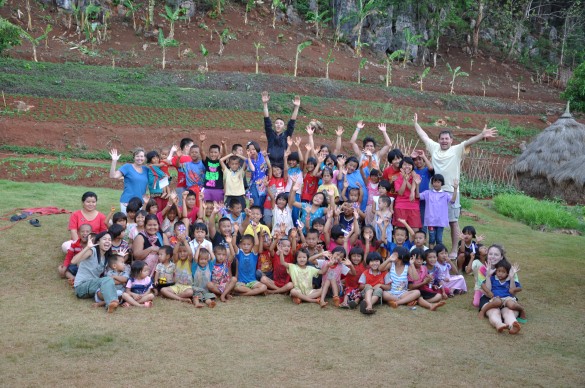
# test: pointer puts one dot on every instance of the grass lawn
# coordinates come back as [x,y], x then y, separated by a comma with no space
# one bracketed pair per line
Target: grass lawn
[51,338]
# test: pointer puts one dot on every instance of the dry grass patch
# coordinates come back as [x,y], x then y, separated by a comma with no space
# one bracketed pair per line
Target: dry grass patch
[51,338]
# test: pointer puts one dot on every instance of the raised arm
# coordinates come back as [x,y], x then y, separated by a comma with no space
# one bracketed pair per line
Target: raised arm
[353,141]
[222,161]
[84,253]
[487,133]
[412,270]
[202,138]
[282,262]
[297,105]
[115,174]
[388,262]
[419,131]
[410,231]
[387,142]
[293,190]
[338,134]
[265,99]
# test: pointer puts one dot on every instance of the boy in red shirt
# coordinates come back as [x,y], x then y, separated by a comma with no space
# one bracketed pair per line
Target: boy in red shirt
[373,283]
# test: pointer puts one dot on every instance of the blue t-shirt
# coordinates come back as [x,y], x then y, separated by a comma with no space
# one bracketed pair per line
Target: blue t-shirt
[391,245]
[246,266]
[501,289]
[135,183]
[353,179]
[260,168]
[194,173]
[425,176]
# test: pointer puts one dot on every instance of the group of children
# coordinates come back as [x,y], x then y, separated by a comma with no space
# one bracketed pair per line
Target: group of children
[316,225]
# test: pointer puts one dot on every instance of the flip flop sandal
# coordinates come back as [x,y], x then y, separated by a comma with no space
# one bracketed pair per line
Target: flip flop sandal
[18,217]
[34,222]
[522,320]
[363,307]
[370,311]
[353,304]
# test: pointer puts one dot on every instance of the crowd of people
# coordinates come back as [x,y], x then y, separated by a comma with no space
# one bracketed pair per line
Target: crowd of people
[314,223]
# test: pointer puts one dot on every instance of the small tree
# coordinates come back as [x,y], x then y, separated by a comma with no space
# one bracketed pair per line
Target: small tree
[172,17]
[455,73]
[364,9]
[150,16]
[257,46]
[329,60]
[411,40]
[389,59]
[29,26]
[300,48]
[422,76]
[164,43]
[575,91]
[205,53]
[36,41]
[276,5]
[318,19]
[132,8]
[362,64]
[249,5]
[10,35]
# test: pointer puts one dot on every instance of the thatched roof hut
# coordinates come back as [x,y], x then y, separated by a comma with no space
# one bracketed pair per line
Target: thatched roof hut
[553,164]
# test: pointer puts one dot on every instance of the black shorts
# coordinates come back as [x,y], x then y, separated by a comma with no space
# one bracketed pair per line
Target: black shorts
[427,295]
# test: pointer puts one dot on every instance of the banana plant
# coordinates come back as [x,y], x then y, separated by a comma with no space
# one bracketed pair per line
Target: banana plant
[329,60]
[389,59]
[36,41]
[257,46]
[131,11]
[249,5]
[164,43]
[411,40]
[455,73]
[363,62]
[276,5]
[205,53]
[319,20]
[300,48]
[422,76]
[172,16]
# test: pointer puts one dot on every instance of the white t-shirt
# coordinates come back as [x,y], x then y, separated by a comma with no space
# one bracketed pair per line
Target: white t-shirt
[205,244]
[446,162]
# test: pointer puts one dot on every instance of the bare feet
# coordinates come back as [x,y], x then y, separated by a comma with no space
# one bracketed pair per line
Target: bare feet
[112,306]
[515,328]
[392,304]
[435,306]
[323,304]
[98,304]
[186,300]
[336,301]
[501,328]
[413,303]
[481,314]
[211,304]
[148,304]
[296,300]
[125,304]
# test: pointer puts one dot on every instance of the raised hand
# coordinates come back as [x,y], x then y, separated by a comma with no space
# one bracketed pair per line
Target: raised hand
[122,252]
[297,101]
[202,137]
[310,130]
[489,132]
[174,148]
[236,228]
[345,183]
[455,183]
[402,221]
[298,141]
[416,118]
[417,179]
[360,125]
[382,127]
[339,131]
[91,243]
[265,97]
[308,147]
[480,238]
[347,262]
[114,154]
[228,239]
[514,270]
[289,141]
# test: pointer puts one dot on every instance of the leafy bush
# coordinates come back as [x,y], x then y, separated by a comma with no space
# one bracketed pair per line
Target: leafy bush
[536,213]
[575,91]
[479,189]
[9,35]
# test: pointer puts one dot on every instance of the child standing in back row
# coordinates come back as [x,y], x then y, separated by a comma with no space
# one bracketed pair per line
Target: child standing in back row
[437,201]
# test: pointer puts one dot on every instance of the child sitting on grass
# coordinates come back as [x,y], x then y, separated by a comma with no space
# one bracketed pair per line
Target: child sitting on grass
[467,245]
[447,273]
[222,282]
[373,283]
[247,258]
[501,288]
[68,270]
[201,278]
[139,286]
[183,288]
[302,276]
[164,273]
[429,298]
[119,271]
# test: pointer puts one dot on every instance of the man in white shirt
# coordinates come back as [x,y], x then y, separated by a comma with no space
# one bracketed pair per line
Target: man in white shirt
[446,160]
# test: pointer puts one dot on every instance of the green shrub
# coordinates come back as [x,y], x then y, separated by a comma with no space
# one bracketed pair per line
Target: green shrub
[9,35]
[479,189]
[575,91]
[536,213]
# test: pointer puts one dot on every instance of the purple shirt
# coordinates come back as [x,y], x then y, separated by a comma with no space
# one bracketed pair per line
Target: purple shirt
[436,207]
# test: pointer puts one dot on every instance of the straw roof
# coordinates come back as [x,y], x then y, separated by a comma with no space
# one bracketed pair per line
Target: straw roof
[554,159]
